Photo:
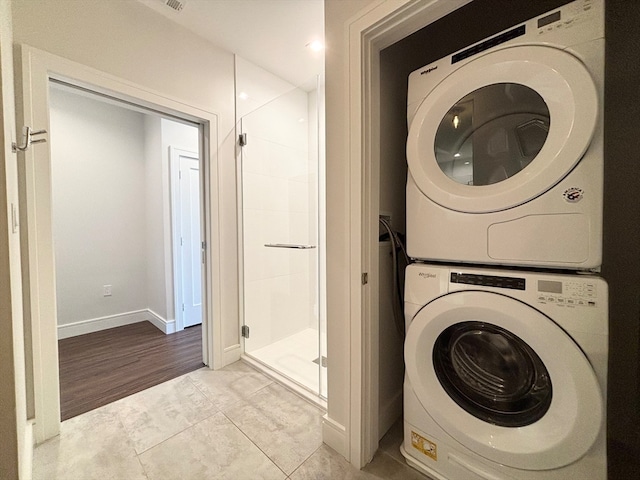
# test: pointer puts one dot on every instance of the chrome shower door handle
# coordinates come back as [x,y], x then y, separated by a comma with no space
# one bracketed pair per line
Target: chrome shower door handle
[289,245]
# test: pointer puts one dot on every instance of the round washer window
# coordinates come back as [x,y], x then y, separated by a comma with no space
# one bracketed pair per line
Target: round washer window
[492,374]
[491,134]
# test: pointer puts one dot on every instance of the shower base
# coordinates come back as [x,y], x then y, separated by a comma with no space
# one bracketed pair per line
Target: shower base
[296,358]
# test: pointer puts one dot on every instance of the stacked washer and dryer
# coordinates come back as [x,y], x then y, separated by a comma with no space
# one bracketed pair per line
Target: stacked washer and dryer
[507,324]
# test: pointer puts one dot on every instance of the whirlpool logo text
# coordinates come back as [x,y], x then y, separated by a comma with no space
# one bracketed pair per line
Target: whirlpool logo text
[427,275]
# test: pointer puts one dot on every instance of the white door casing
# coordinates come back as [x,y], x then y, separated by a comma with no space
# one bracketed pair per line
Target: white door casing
[37,67]
[187,251]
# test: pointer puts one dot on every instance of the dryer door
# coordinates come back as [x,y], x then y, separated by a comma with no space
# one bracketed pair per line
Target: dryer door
[502,129]
[504,380]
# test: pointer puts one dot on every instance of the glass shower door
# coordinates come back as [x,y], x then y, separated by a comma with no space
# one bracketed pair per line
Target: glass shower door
[280,239]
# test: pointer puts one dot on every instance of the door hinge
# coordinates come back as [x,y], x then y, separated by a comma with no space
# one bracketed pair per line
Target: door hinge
[244,331]
[365,278]
[242,139]
[183,307]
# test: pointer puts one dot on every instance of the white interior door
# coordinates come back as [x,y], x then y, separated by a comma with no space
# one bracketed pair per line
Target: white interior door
[187,238]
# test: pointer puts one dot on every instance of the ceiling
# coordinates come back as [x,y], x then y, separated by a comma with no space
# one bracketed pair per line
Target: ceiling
[272,34]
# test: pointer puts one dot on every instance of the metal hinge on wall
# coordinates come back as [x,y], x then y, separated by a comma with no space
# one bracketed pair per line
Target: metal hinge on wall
[244,331]
[242,139]
[365,278]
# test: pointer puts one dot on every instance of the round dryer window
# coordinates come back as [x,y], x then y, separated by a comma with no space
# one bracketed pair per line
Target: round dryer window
[491,134]
[503,380]
[502,129]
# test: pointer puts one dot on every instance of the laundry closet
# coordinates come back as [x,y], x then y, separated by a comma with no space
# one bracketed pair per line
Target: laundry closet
[450,34]
[434,41]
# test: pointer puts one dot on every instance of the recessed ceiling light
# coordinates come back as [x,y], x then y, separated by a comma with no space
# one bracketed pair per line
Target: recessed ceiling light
[456,155]
[243,96]
[316,45]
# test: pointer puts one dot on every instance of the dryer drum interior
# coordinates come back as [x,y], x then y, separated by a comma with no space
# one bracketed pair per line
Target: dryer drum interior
[491,134]
[492,374]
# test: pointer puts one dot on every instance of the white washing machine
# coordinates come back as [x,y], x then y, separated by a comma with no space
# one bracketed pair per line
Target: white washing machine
[505,374]
[505,149]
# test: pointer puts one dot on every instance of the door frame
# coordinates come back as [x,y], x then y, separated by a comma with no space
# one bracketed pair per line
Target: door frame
[175,154]
[35,69]
[377,27]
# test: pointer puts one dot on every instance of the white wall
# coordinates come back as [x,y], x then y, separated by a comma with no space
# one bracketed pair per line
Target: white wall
[162,134]
[99,207]
[163,58]
[15,454]
[278,189]
[156,240]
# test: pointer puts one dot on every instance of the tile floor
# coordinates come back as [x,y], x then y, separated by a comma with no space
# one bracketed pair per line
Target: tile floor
[234,423]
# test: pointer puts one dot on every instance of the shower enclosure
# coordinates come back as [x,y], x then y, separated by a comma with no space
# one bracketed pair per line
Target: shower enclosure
[281,169]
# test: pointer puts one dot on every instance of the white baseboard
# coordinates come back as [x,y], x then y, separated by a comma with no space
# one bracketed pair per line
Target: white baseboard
[167,326]
[111,321]
[231,354]
[335,435]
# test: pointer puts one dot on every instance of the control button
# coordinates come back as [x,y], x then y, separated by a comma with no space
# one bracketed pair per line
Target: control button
[591,303]
[542,298]
[561,300]
[571,301]
[551,299]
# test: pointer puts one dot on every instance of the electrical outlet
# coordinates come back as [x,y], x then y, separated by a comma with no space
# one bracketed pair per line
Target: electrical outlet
[106,290]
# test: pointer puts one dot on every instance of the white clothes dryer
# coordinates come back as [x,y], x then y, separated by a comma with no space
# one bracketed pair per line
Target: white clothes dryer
[504,148]
[506,374]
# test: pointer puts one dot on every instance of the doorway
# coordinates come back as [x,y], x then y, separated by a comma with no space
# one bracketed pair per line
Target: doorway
[187,271]
[38,68]
[116,239]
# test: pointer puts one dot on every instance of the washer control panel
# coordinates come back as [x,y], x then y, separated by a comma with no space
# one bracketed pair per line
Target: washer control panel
[568,293]
[549,291]
[513,283]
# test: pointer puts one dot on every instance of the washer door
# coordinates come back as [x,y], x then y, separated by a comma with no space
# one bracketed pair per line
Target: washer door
[503,380]
[502,129]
